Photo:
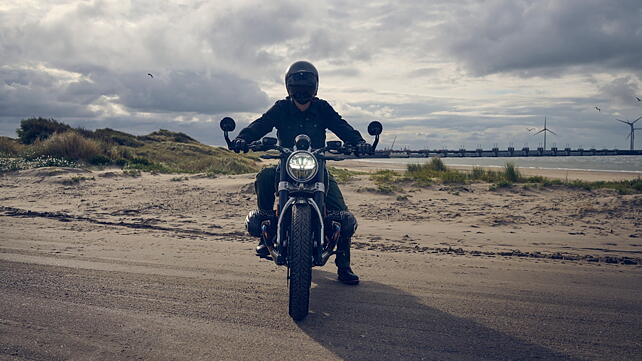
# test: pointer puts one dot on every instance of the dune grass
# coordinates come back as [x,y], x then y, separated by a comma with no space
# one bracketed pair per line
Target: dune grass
[68,145]
[10,147]
[46,141]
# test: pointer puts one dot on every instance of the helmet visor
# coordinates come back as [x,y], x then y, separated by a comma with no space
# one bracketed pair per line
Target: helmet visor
[303,78]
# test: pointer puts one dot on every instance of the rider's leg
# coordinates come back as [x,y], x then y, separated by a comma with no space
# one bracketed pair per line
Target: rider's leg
[335,203]
[264,186]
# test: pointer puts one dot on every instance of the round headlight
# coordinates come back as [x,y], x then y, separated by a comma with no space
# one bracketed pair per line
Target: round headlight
[302,166]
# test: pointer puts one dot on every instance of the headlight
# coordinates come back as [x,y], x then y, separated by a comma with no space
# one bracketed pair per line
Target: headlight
[302,166]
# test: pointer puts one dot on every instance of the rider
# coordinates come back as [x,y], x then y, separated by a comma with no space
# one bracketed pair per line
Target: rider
[301,112]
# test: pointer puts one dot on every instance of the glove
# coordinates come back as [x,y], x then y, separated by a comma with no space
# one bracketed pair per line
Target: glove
[238,145]
[363,148]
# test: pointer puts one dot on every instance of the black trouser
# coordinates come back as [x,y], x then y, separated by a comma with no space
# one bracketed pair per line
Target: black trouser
[265,187]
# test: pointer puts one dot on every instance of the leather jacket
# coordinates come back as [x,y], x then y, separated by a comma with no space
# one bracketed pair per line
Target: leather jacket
[289,122]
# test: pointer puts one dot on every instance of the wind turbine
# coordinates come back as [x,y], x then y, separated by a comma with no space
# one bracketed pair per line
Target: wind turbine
[544,131]
[633,129]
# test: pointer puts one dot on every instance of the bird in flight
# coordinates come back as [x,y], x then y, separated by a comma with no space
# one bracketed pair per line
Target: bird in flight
[598,109]
[150,75]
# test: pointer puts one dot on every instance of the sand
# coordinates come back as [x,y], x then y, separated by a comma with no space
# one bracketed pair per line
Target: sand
[102,266]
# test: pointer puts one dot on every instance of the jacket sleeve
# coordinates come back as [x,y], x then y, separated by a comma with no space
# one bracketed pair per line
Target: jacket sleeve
[341,128]
[260,127]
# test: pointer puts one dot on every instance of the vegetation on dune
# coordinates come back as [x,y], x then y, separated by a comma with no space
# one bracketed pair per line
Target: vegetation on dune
[68,145]
[34,129]
[47,142]
[10,147]
[342,175]
[435,172]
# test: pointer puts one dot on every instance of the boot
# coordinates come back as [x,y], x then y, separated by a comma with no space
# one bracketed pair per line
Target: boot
[262,250]
[344,272]
[345,275]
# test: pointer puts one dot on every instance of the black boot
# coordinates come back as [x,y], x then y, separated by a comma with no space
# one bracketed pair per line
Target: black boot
[345,275]
[344,272]
[262,250]
[253,223]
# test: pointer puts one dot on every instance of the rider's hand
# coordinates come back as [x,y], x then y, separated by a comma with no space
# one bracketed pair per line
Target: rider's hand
[363,148]
[239,145]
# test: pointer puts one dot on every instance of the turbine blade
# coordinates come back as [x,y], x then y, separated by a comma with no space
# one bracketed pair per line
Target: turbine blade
[551,131]
[628,136]
[539,132]
[620,120]
[637,120]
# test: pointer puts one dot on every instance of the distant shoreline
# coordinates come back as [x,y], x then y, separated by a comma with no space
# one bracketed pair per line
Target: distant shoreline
[553,173]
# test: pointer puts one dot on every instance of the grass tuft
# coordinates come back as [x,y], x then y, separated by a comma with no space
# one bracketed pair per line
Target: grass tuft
[511,173]
[69,145]
[342,175]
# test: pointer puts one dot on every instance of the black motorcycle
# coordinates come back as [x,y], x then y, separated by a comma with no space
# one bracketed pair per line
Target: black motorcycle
[302,234]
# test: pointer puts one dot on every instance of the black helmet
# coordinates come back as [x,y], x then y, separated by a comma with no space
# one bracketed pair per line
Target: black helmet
[302,81]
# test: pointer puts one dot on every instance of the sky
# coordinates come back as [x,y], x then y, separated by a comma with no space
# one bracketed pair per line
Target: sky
[435,73]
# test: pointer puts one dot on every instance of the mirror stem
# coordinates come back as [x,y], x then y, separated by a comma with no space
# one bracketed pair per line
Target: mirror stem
[227,140]
[374,145]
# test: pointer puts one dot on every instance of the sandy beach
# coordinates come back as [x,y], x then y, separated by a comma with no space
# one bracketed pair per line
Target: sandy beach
[98,265]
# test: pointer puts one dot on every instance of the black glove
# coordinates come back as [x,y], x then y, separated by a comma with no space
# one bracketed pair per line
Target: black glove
[238,145]
[363,148]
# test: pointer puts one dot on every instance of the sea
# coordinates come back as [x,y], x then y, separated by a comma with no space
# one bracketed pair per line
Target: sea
[619,163]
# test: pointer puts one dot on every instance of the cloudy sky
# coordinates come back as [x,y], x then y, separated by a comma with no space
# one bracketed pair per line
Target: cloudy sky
[436,73]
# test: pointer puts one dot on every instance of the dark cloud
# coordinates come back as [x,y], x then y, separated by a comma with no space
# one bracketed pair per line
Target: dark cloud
[28,92]
[545,37]
[188,91]
[436,72]
[37,91]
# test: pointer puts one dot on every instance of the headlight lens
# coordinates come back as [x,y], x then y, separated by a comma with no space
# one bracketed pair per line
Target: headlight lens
[302,166]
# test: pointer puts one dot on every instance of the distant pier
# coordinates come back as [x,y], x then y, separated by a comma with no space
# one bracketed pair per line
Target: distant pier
[496,152]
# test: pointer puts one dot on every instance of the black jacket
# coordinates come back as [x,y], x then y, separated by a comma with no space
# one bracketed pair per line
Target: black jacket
[289,122]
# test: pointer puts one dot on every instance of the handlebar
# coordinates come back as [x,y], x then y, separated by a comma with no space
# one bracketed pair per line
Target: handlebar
[374,128]
[284,152]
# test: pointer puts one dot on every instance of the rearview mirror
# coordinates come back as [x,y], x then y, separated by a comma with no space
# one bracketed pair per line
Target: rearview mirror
[227,124]
[375,128]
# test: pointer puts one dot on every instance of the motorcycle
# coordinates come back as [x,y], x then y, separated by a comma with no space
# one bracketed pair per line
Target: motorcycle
[302,234]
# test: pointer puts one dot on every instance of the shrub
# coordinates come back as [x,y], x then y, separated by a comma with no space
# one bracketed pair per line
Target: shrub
[386,181]
[437,164]
[34,129]
[13,164]
[477,173]
[485,175]
[99,159]
[69,145]
[164,135]
[511,173]
[453,177]
[342,175]
[108,135]
[10,147]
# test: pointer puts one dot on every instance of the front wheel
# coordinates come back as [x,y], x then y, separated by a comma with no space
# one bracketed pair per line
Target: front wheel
[300,261]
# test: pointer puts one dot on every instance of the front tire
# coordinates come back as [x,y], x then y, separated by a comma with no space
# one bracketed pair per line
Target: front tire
[300,261]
